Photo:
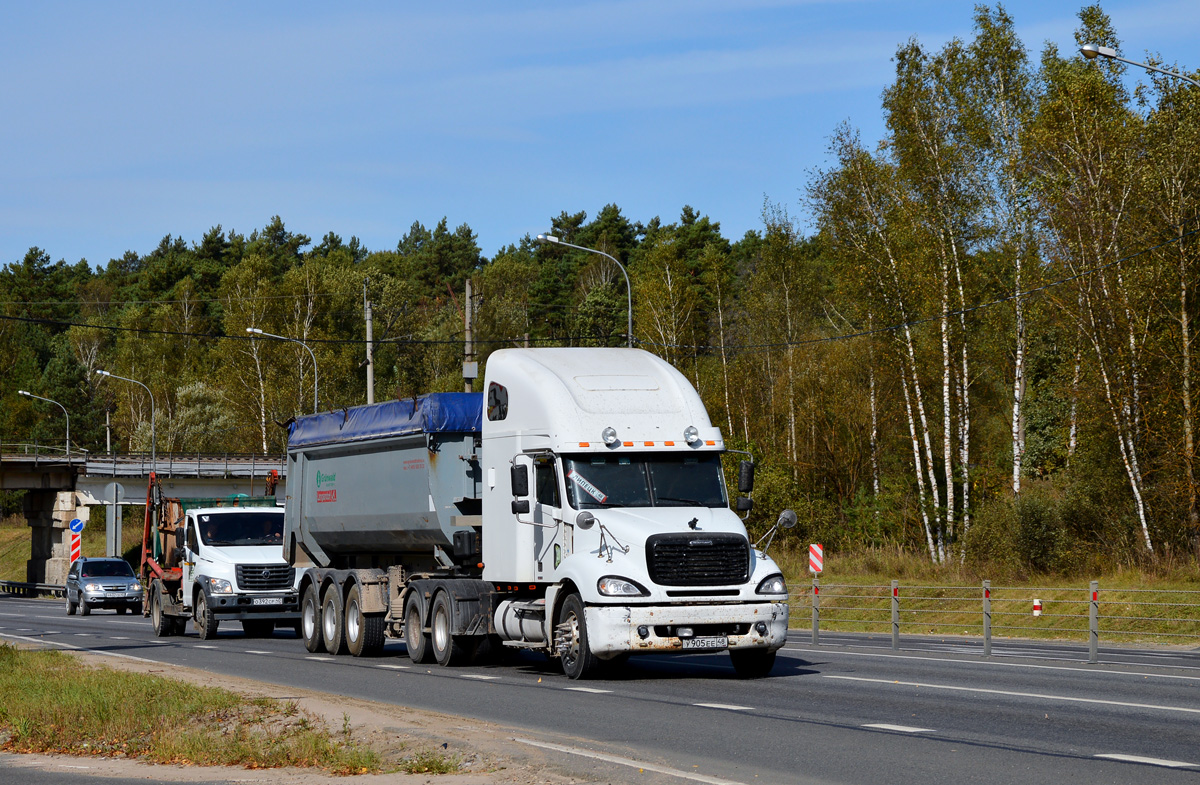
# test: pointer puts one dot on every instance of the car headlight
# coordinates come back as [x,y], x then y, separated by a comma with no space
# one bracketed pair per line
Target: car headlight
[773,584]
[135,586]
[92,587]
[612,586]
[219,586]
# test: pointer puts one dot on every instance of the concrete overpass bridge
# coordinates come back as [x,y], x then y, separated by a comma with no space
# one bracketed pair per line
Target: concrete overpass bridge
[62,487]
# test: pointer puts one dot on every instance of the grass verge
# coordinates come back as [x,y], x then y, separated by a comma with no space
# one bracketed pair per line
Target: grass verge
[55,704]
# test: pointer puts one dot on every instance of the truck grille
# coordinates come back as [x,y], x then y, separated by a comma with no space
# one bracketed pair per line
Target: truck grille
[698,559]
[265,577]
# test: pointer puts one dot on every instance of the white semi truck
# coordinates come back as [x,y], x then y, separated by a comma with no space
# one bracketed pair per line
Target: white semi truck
[576,507]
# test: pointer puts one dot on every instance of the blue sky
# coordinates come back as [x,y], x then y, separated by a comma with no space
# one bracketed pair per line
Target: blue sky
[123,122]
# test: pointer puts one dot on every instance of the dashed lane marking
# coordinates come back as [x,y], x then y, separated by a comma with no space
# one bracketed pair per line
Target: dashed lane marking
[897,728]
[320,659]
[203,646]
[1012,693]
[592,690]
[636,764]
[253,651]
[725,706]
[1171,764]
[389,667]
[479,676]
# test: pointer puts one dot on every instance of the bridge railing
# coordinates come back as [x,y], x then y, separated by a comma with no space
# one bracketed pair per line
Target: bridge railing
[139,463]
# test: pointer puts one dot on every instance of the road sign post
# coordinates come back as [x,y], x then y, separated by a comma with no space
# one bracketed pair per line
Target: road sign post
[76,526]
[816,559]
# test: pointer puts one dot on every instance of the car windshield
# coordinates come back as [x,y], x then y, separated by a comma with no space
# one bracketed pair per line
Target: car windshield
[241,528]
[106,569]
[644,480]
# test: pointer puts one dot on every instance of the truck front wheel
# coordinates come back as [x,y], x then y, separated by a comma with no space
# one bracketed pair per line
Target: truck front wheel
[333,622]
[420,649]
[310,620]
[571,639]
[752,663]
[448,649]
[364,632]
[164,626]
[206,620]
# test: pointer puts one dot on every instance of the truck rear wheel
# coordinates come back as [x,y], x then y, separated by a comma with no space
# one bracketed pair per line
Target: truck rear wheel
[571,640]
[364,632]
[310,620]
[752,663]
[333,623]
[206,620]
[448,649]
[420,649]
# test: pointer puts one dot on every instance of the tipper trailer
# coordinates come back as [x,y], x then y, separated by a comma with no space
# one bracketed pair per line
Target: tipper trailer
[576,507]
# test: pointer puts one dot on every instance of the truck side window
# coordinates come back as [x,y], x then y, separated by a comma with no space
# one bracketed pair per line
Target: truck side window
[546,482]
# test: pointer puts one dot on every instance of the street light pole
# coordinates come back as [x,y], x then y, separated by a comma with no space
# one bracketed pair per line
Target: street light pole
[549,238]
[1092,51]
[28,394]
[256,331]
[153,437]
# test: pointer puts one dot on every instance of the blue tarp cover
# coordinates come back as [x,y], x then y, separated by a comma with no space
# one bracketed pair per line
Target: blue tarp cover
[433,413]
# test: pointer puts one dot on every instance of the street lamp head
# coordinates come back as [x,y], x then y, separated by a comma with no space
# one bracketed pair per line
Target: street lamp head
[24,392]
[103,373]
[1092,51]
[254,330]
[547,238]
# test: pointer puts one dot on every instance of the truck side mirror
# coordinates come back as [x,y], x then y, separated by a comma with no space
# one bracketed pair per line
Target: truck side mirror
[180,533]
[746,477]
[192,543]
[520,506]
[787,519]
[743,504]
[519,475]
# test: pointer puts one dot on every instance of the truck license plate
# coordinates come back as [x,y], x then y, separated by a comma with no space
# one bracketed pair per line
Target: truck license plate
[267,601]
[710,642]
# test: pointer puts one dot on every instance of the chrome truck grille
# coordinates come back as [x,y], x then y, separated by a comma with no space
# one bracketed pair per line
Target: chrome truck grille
[698,559]
[265,577]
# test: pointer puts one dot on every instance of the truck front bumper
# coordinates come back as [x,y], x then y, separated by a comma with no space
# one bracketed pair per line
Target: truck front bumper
[614,629]
[275,605]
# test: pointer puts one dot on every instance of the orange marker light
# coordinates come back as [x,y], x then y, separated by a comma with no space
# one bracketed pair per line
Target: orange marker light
[710,443]
[627,444]
[649,444]
[584,444]
[668,444]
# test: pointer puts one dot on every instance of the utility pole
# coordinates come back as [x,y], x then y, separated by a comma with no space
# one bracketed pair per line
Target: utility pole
[470,367]
[370,347]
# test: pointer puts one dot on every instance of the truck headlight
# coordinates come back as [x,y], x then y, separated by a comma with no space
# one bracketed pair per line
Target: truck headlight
[612,586]
[219,586]
[773,584]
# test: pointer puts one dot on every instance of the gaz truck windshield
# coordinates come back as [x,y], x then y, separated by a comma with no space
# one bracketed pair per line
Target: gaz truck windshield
[241,528]
[644,480]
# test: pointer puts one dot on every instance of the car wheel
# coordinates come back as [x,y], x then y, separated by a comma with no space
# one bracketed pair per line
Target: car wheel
[84,608]
[70,605]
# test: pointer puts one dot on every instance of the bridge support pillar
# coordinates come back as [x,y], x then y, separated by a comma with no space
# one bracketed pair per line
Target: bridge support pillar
[49,515]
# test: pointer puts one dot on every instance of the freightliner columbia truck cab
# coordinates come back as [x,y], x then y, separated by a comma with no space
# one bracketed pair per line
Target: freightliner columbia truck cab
[603,484]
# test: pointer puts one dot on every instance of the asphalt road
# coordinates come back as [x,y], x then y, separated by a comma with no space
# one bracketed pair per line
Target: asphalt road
[848,711]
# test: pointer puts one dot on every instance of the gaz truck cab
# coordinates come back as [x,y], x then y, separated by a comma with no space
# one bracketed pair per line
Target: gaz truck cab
[214,560]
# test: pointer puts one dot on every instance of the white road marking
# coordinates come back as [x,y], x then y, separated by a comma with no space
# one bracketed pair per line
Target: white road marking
[320,659]
[252,651]
[1089,671]
[592,690]
[83,635]
[1015,694]
[202,646]
[898,728]
[119,638]
[389,667]
[78,648]
[1173,764]
[686,775]
[479,676]
[725,706]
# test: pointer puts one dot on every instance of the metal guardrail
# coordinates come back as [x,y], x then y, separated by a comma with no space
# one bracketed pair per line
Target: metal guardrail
[31,589]
[1024,610]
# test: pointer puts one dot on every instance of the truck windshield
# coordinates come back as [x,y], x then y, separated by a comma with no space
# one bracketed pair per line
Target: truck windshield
[644,480]
[241,528]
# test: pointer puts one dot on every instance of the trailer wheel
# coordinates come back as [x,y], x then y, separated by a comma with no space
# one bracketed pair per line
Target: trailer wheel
[448,649]
[364,631]
[333,622]
[310,620]
[206,620]
[163,625]
[752,663]
[571,640]
[420,650]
